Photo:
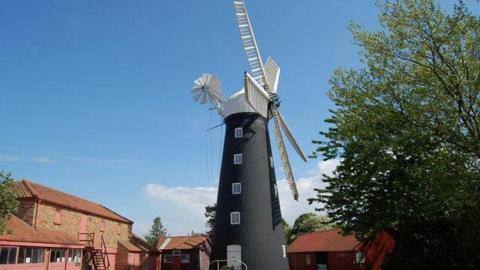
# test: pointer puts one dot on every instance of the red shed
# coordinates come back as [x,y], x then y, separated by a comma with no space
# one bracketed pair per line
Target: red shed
[330,250]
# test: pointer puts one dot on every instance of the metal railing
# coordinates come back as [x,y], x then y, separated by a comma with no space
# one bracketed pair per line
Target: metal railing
[87,238]
[217,262]
[103,247]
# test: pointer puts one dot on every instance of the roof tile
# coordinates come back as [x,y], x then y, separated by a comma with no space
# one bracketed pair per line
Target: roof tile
[329,240]
[28,189]
[17,230]
[181,242]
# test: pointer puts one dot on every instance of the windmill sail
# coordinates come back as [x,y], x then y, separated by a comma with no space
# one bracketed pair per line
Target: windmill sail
[249,43]
[256,96]
[290,137]
[287,168]
[273,74]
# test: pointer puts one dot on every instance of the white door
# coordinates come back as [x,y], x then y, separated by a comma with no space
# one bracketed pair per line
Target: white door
[234,256]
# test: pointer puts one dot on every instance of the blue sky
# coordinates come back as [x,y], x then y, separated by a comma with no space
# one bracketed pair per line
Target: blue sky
[95,95]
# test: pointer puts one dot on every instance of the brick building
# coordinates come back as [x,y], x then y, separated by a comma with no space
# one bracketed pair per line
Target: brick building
[330,250]
[185,252]
[95,235]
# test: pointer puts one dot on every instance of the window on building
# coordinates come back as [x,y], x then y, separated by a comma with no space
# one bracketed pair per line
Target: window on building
[8,255]
[238,132]
[119,228]
[359,257]
[275,190]
[102,225]
[308,259]
[57,255]
[176,252]
[75,255]
[284,251]
[185,258]
[237,159]
[271,161]
[58,216]
[31,255]
[236,188]
[235,218]
[167,258]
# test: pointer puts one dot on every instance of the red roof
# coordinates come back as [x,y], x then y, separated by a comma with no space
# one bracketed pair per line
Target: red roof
[19,231]
[181,242]
[28,189]
[329,240]
[137,244]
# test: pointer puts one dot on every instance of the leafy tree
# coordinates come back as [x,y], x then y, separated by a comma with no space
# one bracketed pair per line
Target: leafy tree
[157,231]
[406,129]
[305,223]
[286,229]
[8,199]
[210,215]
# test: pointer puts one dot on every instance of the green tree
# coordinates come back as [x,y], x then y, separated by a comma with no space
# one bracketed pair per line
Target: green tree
[157,231]
[8,199]
[210,215]
[286,229]
[406,129]
[305,223]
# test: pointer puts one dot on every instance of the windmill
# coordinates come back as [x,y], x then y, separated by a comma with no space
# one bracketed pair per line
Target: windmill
[248,228]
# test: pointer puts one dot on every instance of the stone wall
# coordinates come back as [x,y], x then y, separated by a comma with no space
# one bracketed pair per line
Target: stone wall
[26,211]
[71,220]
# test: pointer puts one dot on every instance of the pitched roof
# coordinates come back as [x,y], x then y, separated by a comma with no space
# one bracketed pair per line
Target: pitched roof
[137,244]
[181,242]
[28,189]
[329,240]
[19,231]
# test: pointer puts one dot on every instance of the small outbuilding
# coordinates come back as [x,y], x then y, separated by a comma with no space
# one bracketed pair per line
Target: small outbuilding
[184,252]
[330,250]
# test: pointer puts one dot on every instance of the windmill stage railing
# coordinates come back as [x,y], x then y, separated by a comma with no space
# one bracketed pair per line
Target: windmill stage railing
[217,263]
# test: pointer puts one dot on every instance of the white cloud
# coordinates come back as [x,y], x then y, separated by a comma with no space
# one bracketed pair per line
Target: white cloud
[182,208]
[42,160]
[11,158]
[291,209]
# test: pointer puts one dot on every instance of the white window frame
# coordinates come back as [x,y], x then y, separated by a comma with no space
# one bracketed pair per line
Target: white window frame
[176,252]
[238,132]
[308,259]
[275,190]
[236,188]
[237,159]
[232,220]
[359,257]
[271,162]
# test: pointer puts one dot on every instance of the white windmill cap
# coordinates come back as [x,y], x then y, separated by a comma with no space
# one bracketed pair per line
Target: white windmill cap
[237,103]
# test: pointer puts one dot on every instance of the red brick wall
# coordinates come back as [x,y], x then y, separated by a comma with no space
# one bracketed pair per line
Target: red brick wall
[121,259]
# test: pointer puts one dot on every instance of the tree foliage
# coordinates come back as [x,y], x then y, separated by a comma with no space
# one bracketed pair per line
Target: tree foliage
[8,198]
[406,129]
[210,215]
[156,231]
[305,223]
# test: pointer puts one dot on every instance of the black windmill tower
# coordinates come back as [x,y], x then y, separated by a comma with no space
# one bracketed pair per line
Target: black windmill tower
[248,228]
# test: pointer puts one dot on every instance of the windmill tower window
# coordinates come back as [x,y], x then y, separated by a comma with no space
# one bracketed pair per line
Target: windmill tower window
[237,159]
[238,132]
[236,188]
[235,218]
